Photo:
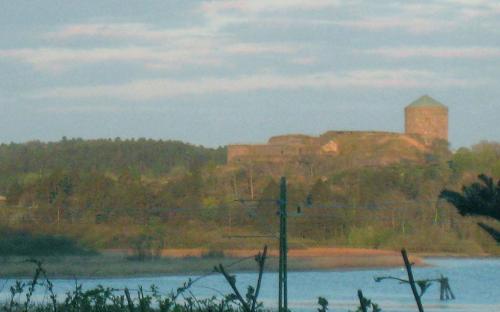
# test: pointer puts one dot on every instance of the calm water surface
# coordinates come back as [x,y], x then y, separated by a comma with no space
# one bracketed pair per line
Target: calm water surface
[475,283]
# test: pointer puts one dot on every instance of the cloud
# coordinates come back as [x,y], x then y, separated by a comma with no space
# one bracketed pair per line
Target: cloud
[303,60]
[258,48]
[128,31]
[63,109]
[416,25]
[474,3]
[437,52]
[223,15]
[59,59]
[157,57]
[412,17]
[211,43]
[154,47]
[422,8]
[167,88]
[256,6]
[460,10]
[425,17]
[409,16]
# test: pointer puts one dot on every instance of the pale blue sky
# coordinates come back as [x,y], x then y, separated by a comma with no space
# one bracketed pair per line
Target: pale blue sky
[219,72]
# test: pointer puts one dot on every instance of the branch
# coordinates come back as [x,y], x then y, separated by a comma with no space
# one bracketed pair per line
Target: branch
[381,278]
[232,282]
[261,260]
[493,232]
[130,303]
[362,301]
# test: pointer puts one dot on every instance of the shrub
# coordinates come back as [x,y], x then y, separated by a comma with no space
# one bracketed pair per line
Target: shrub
[213,253]
[23,243]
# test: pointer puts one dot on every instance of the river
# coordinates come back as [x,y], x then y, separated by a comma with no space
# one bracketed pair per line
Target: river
[475,283]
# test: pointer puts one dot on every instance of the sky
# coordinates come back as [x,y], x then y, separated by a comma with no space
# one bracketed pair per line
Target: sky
[221,72]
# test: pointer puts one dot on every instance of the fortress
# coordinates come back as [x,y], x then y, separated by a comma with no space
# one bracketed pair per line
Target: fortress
[426,121]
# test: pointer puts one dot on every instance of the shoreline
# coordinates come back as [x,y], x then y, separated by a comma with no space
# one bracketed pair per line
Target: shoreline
[114,263]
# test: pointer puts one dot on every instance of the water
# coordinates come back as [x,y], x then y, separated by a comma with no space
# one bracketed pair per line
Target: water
[475,283]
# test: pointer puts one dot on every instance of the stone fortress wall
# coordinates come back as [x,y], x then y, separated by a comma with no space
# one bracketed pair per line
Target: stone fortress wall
[429,122]
[426,120]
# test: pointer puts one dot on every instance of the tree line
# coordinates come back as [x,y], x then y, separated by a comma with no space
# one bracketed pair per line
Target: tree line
[25,161]
[184,195]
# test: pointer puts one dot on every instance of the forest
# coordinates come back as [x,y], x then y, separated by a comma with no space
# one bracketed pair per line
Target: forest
[150,194]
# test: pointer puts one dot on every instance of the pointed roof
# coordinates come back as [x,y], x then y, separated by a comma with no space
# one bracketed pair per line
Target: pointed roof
[426,101]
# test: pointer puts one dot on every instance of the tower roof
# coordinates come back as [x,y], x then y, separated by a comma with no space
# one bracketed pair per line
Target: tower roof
[426,101]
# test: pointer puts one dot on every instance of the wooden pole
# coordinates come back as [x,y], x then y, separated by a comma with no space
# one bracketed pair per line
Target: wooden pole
[412,281]
[448,289]
[283,202]
[283,298]
[441,291]
[280,269]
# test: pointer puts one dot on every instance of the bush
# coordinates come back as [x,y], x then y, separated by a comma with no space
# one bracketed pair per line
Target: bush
[213,253]
[21,243]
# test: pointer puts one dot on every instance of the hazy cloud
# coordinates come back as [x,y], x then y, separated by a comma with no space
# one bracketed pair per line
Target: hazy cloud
[165,88]
[128,31]
[257,6]
[437,52]
[187,53]
[413,25]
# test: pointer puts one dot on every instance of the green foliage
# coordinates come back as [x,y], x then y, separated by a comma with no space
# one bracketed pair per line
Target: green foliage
[365,304]
[26,244]
[213,254]
[483,157]
[478,199]
[369,236]
[320,193]
[267,206]
[101,299]
[323,304]
[14,193]
[144,156]
[368,303]
[108,197]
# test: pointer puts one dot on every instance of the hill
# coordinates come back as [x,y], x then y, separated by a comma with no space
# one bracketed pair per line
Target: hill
[147,195]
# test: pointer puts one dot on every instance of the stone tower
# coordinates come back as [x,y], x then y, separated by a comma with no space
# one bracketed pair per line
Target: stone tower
[427,118]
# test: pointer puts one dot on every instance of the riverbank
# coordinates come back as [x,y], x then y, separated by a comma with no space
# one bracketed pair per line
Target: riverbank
[116,263]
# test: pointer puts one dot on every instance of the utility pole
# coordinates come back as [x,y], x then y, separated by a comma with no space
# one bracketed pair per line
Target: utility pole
[282,278]
[283,244]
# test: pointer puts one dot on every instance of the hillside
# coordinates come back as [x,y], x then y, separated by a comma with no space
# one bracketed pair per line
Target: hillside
[148,195]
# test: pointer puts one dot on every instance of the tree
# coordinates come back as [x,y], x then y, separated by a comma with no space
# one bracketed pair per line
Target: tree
[14,193]
[478,199]
[267,208]
[320,192]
